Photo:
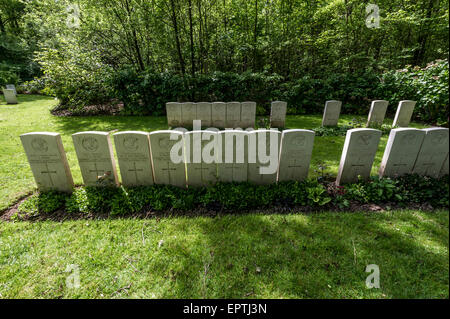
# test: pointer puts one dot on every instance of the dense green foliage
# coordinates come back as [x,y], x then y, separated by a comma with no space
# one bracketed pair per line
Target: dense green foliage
[242,196]
[145,53]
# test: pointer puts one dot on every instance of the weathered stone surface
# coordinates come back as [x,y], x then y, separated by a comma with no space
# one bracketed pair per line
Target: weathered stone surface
[166,171]
[377,112]
[218,114]
[48,162]
[11,87]
[444,169]
[133,153]
[233,158]
[200,171]
[433,152]
[331,113]
[359,151]
[204,113]
[295,154]
[233,118]
[96,159]
[278,114]
[404,112]
[188,113]
[173,110]
[10,97]
[248,114]
[264,146]
[401,151]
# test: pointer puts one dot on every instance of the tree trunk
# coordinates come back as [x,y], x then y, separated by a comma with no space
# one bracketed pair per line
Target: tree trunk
[177,39]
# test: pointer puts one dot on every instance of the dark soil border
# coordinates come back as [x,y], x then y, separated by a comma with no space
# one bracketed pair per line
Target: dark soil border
[355,207]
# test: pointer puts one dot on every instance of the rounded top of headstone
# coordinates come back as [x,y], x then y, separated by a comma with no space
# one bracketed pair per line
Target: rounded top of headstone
[91,132]
[130,132]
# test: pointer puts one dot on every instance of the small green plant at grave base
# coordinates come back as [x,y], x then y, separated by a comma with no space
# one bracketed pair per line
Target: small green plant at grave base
[241,196]
[263,122]
[47,202]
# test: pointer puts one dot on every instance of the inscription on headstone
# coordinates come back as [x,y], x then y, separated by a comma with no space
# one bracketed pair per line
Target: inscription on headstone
[218,114]
[331,113]
[295,154]
[433,152]
[278,114]
[173,110]
[165,171]
[248,114]
[48,162]
[204,113]
[96,159]
[133,153]
[233,117]
[359,151]
[188,113]
[200,172]
[401,151]
[377,112]
[233,164]
[265,158]
[404,112]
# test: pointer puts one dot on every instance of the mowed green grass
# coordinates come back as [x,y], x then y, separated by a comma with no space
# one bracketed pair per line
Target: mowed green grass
[322,255]
[32,115]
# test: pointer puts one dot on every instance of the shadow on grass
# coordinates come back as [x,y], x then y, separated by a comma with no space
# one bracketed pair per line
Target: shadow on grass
[318,256]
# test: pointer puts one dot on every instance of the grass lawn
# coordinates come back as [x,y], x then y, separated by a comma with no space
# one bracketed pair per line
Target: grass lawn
[32,115]
[321,255]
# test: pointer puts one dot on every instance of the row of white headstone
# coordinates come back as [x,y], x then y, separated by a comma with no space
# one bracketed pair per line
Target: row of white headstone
[221,114]
[10,94]
[377,113]
[144,158]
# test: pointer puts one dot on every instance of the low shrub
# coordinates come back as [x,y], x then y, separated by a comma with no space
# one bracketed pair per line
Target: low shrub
[242,196]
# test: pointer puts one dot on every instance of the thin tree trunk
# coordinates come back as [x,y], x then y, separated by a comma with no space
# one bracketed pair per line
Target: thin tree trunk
[177,39]
[191,35]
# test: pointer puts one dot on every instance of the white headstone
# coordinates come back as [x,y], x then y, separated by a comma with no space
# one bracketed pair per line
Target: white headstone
[188,113]
[401,151]
[165,170]
[218,114]
[248,114]
[11,87]
[331,113]
[173,110]
[445,168]
[433,152]
[359,151]
[48,162]
[377,112]
[96,159]
[233,161]
[295,154]
[278,114]
[404,112]
[133,153]
[233,118]
[264,147]
[204,113]
[199,171]
[10,97]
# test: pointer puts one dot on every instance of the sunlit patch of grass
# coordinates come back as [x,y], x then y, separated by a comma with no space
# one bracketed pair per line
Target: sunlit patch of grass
[321,255]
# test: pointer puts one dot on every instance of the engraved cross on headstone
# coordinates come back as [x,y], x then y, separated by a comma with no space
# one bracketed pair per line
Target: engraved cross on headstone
[294,165]
[135,170]
[168,169]
[97,171]
[49,173]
